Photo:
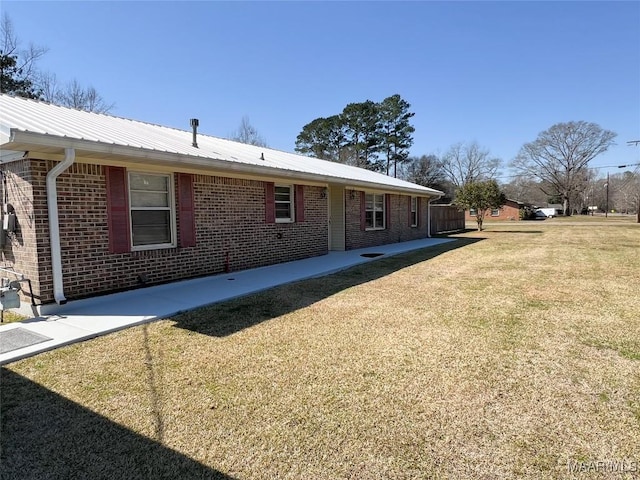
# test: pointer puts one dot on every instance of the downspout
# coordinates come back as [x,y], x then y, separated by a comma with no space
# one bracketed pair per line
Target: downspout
[54,223]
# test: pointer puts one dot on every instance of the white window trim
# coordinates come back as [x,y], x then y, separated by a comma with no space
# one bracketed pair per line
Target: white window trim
[495,210]
[172,213]
[384,210]
[291,202]
[414,212]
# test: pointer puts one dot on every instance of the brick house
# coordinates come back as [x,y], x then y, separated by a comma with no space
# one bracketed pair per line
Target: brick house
[94,204]
[509,211]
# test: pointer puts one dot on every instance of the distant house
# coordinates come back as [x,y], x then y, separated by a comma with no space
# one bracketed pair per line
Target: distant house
[510,211]
[94,203]
[559,210]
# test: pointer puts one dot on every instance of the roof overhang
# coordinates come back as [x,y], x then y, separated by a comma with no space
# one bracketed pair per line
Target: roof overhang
[25,141]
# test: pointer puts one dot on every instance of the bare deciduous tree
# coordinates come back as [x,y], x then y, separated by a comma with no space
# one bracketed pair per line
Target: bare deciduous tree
[467,163]
[424,170]
[20,76]
[561,155]
[626,194]
[18,65]
[247,133]
[525,189]
[76,96]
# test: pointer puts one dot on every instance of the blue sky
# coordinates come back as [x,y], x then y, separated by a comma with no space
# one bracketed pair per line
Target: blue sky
[497,73]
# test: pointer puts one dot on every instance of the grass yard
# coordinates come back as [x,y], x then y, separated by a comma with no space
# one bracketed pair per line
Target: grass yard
[511,353]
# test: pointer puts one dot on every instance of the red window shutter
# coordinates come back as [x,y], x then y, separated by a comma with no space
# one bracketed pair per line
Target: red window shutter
[299,203]
[269,202]
[118,210]
[387,208]
[186,209]
[363,211]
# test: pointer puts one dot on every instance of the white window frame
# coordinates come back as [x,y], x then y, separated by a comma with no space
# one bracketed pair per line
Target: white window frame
[374,210]
[290,202]
[171,209]
[497,212]
[414,211]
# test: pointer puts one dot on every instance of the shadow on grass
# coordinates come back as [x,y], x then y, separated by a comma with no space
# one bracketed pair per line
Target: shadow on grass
[229,317]
[453,233]
[46,436]
[516,231]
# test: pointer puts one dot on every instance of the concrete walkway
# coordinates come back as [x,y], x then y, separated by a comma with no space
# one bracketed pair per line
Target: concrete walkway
[83,319]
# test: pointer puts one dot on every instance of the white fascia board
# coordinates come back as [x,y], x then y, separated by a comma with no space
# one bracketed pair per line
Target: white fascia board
[384,188]
[7,156]
[23,138]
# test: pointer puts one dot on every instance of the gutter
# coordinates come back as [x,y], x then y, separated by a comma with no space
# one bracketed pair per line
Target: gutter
[54,224]
[21,140]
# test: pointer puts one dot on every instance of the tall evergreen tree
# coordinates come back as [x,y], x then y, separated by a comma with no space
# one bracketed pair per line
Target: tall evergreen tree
[363,130]
[12,80]
[360,133]
[396,138]
[323,138]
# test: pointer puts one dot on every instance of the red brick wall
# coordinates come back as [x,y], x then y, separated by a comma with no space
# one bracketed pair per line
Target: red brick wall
[230,218]
[398,230]
[24,250]
[510,211]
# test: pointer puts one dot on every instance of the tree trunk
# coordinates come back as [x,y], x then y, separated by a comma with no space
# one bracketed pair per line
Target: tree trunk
[566,207]
[479,220]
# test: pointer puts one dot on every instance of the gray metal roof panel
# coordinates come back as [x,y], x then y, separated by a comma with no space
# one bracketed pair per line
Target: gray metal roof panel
[47,119]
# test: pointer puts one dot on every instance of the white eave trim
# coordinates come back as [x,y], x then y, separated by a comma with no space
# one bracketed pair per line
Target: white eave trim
[31,139]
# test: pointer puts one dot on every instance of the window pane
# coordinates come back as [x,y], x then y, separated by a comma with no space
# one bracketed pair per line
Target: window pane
[379,220]
[282,194]
[150,227]
[149,199]
[368,218]
[157,183]
[379,202]
[283,210]
[414,201]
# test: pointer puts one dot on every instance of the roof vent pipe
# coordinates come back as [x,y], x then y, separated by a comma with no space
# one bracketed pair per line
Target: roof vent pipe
[194,125]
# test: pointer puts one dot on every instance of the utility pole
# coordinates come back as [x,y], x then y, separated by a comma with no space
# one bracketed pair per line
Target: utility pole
[606,213]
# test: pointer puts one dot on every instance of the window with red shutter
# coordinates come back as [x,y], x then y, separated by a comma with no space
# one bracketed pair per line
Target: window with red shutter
[152,210]
[374,208]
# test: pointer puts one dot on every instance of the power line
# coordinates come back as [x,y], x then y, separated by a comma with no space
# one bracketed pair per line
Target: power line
[590,168]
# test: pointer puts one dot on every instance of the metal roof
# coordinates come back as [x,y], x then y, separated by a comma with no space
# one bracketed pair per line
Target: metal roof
[43,127]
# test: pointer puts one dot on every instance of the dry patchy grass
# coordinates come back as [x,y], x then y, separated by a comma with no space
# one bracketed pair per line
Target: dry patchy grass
[9,317]
[505,358]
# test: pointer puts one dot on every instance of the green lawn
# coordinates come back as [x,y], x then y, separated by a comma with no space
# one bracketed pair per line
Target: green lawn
[509,353]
